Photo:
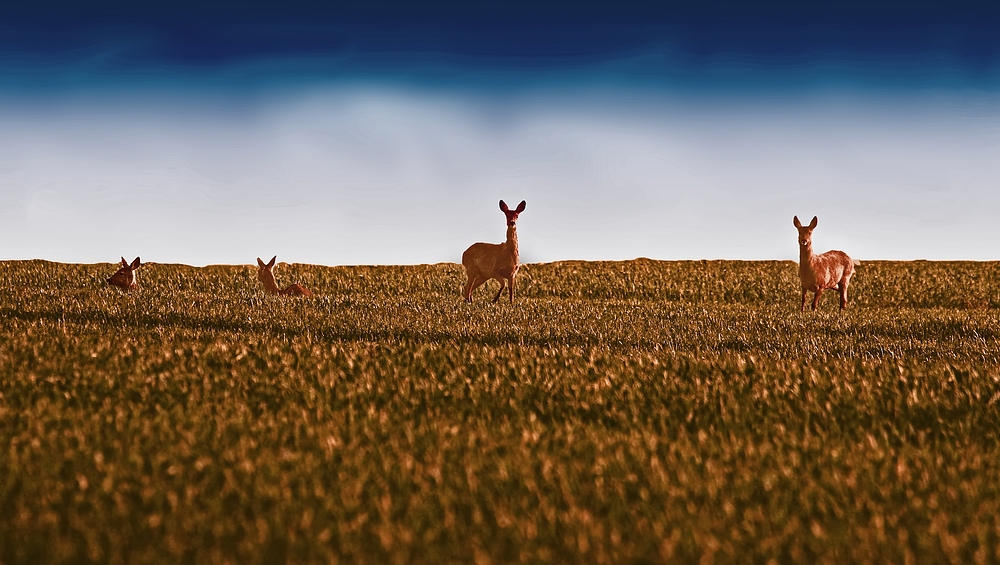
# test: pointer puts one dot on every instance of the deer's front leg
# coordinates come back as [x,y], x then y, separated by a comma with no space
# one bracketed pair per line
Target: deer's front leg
[816,298]
[805,296]
[499,292]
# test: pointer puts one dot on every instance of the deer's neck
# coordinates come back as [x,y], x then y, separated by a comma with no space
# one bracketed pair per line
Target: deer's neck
[512,242]
[805,256]
[269,285]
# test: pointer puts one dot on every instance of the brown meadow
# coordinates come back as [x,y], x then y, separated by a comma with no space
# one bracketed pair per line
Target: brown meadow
[617,412]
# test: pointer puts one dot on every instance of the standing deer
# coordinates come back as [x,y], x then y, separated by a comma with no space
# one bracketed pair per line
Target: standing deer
[265,274]
[485,261]
[125,277]
[832,269]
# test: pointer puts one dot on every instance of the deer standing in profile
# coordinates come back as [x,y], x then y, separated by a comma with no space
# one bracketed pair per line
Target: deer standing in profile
[832,269]
[265,274]
[125,277]
[485,261]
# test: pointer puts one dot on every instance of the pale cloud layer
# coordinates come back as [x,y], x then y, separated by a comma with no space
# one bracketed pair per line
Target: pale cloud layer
[377,175]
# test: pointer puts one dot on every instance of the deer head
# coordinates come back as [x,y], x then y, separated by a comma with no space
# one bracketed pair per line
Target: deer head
[125,276]
[265,274]
[805,232]
[512,214]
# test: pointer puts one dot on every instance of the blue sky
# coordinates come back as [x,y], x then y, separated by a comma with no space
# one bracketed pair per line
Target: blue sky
[217,133]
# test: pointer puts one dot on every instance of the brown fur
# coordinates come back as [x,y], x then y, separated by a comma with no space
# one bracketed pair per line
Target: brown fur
[832,269]
[265,274]
[498,261]
[125,278]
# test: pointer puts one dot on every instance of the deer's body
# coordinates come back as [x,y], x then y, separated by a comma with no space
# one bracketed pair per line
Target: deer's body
[498,261]
[265,274]
[817,273]
[125,277]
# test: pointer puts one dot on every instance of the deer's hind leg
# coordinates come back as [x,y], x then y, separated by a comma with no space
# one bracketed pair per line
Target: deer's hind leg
[475,281]
[467,291]
[843,292]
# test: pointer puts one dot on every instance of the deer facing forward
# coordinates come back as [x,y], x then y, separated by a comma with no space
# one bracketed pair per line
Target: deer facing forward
[265,274]
[485,261]
[125,277]
[832,269]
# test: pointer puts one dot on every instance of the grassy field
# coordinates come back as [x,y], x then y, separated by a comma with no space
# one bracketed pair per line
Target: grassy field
[631,412]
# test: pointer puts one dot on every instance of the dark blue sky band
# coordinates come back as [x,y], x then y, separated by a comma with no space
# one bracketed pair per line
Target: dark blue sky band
[714,45]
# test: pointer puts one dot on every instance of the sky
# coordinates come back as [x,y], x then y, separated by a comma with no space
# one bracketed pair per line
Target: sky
[216,132]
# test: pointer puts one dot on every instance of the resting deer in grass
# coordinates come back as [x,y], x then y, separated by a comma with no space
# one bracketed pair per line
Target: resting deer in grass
[125,278]
[832,269]
[265,274]
[485,261]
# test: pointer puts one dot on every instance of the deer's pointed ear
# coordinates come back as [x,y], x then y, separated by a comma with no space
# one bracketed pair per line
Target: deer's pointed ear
[271,262]
[124,262]
[259,262]
[135,264]
[812,224]
[503,206]
[796,222]
[520,207]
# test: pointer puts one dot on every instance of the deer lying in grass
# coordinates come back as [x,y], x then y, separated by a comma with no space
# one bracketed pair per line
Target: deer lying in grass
[832,269]
[265,274]
[125,277]
[485,261]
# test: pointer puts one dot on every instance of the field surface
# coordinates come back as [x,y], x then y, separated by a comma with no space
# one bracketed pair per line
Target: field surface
[627,412]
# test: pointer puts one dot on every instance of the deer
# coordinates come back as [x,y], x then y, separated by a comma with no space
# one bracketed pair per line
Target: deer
[832,269]
[125,277]
[485,261]
[265,274]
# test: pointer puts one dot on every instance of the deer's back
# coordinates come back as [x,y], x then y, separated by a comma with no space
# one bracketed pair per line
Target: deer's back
[489,259]
[296,290]
[123,282]
[826,270]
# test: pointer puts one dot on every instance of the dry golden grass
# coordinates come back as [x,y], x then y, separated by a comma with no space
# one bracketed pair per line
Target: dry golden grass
[634,412]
